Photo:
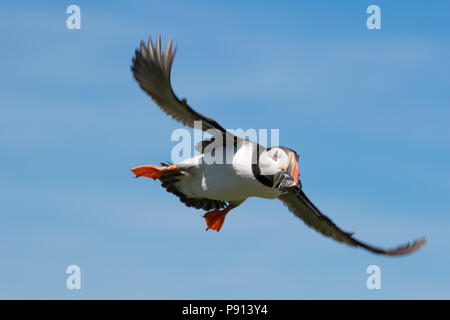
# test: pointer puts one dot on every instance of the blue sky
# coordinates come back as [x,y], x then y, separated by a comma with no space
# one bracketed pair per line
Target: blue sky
[367,111]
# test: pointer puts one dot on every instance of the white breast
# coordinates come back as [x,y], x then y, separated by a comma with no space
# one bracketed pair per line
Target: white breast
[228,182]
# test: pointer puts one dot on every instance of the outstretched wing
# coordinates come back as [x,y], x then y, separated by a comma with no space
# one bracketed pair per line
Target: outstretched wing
[302,207]
[151,69]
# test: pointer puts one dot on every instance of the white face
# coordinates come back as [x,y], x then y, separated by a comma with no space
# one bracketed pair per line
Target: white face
[273,161]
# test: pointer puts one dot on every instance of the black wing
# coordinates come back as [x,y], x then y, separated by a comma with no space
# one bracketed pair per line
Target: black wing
[302,207]
[151,69]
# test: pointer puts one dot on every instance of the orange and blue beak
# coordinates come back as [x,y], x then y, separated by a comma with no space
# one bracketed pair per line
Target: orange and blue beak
[288,177]
[292,169]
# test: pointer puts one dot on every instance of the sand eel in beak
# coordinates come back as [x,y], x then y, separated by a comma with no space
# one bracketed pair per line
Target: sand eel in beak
[251,170]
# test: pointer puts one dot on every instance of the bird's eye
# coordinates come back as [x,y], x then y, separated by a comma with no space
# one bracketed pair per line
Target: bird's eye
[275,155]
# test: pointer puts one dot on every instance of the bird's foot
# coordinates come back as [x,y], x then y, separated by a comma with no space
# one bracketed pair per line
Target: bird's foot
[214,219]
[151,171]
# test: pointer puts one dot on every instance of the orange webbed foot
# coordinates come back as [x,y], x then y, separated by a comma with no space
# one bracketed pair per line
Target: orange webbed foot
[215,219]
[151,171]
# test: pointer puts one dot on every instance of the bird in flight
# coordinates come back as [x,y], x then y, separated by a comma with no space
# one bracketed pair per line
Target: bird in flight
[251,170]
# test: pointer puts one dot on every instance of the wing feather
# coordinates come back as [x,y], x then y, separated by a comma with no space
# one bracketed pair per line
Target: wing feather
[298,203]
[151,69]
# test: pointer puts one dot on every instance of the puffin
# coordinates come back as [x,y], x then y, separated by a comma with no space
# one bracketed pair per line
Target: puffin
[229,169]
